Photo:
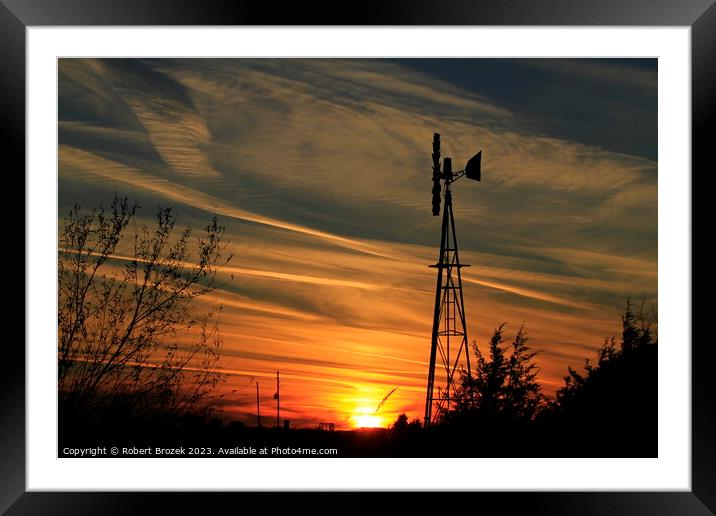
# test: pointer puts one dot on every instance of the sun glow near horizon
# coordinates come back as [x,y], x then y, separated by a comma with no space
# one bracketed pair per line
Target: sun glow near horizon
[368,421]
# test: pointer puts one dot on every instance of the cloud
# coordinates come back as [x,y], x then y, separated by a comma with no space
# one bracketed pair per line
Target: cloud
[87,163]
[606,72]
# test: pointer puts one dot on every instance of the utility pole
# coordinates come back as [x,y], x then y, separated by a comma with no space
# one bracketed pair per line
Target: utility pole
[258,405]
[278,400]
[449,310]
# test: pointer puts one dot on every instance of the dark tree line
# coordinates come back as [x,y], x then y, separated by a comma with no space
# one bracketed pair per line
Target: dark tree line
[608,410]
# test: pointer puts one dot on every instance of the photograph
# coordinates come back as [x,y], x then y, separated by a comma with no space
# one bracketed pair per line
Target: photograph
[357,257]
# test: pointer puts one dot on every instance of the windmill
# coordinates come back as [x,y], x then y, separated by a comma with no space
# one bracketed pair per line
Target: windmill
[449,335]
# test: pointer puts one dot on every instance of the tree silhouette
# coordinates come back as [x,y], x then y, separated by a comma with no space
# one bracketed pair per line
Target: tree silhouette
[401,423]
[503,387]
[523,394]
[125,304]
[616,396]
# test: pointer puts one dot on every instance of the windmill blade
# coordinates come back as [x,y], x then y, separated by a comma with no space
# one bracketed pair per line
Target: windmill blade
[436,174]
[436,197]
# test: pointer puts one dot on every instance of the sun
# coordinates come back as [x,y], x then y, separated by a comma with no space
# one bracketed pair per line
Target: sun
[364,417]
[367,421]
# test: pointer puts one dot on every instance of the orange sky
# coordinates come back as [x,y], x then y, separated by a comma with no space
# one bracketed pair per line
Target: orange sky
[320,170]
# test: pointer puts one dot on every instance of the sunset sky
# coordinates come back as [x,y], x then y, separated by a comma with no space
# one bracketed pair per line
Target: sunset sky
[320,169]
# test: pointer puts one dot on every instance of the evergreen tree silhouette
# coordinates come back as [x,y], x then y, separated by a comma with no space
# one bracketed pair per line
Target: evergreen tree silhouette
[502,393]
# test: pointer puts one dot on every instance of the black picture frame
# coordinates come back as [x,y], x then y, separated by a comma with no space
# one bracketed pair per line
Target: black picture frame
[17,15]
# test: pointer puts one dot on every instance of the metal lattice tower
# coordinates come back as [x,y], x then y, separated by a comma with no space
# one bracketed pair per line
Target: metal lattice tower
[449,337]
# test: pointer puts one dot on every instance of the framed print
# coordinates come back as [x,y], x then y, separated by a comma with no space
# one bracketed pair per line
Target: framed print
[227,211]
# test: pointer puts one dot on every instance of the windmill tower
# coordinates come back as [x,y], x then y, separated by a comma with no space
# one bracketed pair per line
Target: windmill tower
[449,338]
